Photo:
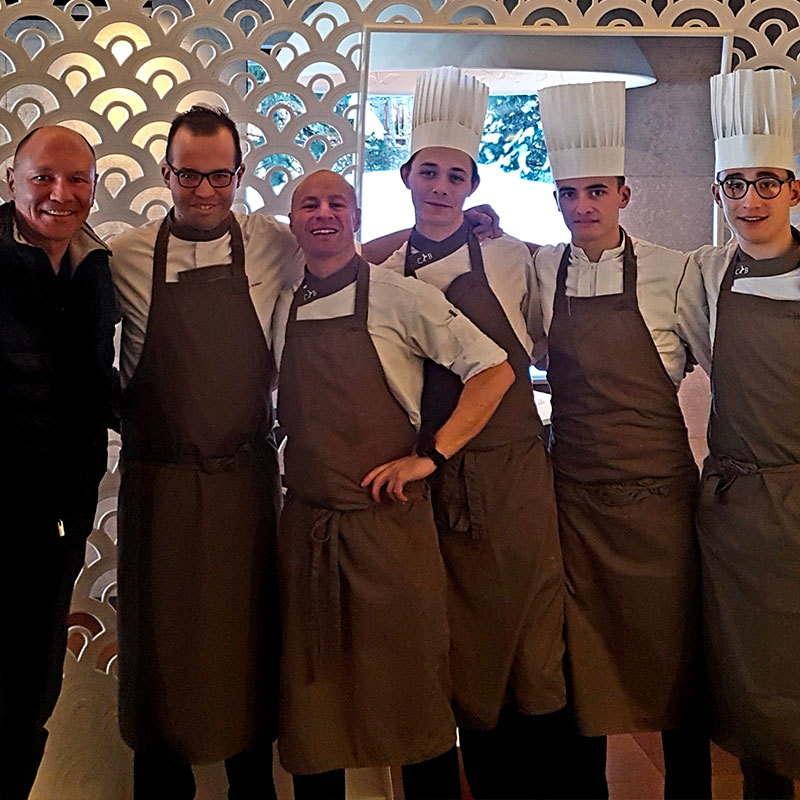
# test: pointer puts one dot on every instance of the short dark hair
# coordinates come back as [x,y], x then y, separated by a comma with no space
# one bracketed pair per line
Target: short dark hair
[205,121]
[475,176]
[620,181]
[27,137]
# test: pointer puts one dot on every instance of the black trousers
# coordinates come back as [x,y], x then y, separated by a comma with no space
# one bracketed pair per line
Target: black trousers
[40,568]
[763,784]
[320,786]
[435,779]
[161,775]
[520,758]
[687,766]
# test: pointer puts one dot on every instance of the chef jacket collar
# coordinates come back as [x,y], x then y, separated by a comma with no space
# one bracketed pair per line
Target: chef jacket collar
[614,254]
[190,234]
[777,265]
[426,251]
[314,287]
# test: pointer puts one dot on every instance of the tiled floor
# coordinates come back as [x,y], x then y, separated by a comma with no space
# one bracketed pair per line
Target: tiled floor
[635,769]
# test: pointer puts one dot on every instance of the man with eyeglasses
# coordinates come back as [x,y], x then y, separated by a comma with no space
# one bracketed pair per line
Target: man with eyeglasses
[749,507]
[199,497]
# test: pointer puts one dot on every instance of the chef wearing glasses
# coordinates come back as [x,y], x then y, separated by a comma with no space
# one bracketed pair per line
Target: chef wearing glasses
[199,496]
[749,506]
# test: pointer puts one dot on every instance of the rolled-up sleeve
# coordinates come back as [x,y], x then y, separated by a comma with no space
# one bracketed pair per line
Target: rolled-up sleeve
[439,331]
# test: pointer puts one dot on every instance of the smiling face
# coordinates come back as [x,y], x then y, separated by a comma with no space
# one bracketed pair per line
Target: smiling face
[761,226]
[324,218]
[52,184]
[204,207]
[590,207]
[440,180]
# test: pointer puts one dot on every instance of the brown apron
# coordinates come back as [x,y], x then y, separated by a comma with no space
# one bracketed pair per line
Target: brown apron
[198,506]
[505,575]
[626,486]
[364,674]
[749,525]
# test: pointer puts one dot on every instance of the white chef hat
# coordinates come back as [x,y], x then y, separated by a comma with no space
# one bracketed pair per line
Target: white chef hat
[449,111]
[751,114]
[584,128]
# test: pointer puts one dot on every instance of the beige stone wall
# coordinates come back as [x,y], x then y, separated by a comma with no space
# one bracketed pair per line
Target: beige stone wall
[669,145]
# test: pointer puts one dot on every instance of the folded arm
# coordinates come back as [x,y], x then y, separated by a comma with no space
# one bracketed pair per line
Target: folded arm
[478,401]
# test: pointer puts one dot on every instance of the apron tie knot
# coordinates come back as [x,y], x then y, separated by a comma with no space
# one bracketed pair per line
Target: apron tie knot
[227,463]
[460,495]
[728,469]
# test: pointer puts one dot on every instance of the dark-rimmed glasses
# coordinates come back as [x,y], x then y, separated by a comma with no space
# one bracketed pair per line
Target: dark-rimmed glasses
[191,179]
[767,187]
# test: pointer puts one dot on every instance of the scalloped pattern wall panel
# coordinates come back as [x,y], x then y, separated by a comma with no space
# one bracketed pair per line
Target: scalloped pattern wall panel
[118,70]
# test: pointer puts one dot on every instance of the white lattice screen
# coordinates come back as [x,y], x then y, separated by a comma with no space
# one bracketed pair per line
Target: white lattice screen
[118,70]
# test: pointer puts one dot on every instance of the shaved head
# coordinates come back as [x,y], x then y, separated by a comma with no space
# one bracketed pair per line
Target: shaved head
[323,179]
[50,130]
[324,218]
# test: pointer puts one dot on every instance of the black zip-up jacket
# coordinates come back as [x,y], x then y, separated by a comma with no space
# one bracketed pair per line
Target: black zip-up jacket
[56,375]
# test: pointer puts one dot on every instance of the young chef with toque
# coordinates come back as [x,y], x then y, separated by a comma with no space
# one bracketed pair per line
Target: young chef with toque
[749,508]
[621,317]
[493,499]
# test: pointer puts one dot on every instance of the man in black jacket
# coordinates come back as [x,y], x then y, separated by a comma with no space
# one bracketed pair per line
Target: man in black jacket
[57,317]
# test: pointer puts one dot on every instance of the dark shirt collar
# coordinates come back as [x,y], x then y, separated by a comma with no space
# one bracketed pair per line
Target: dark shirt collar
[314,287]
[425,251]
[774,266]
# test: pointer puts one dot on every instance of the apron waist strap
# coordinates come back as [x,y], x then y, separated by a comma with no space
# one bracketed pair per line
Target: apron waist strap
[208,465]
[489,445]
[728,470]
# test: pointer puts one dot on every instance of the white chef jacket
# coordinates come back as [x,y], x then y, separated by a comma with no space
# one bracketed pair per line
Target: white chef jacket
[407,321]
[713,262]
[669,291]
[272,260]
[509,271]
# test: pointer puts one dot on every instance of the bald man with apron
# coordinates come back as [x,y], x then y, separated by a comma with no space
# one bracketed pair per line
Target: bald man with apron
[365,669]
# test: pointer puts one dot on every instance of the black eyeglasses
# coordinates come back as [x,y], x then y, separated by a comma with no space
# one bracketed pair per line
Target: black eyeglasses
[767,187]
[190,179]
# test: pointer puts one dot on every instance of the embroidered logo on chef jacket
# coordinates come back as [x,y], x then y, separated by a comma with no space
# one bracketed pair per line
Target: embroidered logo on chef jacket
[742,269]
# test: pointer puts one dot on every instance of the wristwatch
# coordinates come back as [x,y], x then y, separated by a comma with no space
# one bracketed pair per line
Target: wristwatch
[428,450]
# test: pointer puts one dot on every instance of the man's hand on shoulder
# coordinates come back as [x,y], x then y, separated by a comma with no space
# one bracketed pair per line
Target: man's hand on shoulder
[485,221]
